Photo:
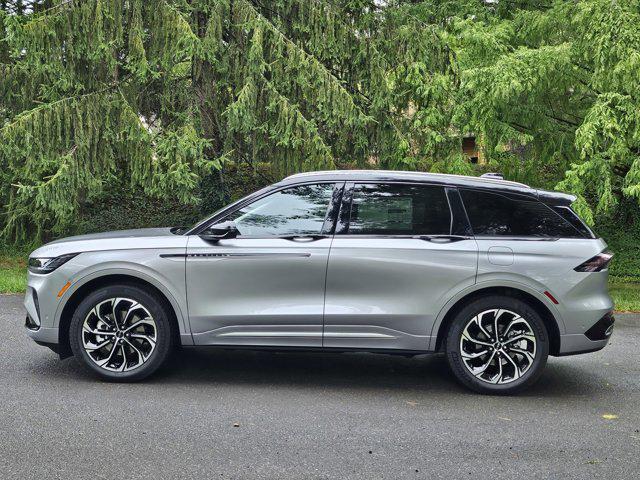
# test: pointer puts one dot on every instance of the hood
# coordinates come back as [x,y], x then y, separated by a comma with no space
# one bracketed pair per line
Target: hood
[143,238]
[135,233]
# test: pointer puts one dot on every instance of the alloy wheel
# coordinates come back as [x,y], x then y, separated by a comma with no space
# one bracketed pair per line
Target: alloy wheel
[119,334]
[498,346]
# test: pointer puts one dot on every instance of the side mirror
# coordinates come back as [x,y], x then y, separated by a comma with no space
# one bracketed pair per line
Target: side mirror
[220,231]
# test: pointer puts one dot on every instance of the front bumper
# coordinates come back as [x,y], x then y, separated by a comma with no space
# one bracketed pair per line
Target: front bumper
[43,334]
[594,339]
[46,337]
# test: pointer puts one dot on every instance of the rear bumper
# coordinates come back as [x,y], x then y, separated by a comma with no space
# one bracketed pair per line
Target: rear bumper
[594,339]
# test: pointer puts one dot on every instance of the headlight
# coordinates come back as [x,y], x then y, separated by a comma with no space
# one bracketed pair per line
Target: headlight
[48,264]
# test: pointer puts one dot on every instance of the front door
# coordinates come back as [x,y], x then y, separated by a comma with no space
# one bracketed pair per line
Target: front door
[399,253]
[265,287]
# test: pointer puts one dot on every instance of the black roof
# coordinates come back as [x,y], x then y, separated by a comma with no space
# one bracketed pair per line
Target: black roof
[493,184]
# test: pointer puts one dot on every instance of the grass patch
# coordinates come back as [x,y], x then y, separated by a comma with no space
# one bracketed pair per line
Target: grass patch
[13,271]
[13,279]
[626,293]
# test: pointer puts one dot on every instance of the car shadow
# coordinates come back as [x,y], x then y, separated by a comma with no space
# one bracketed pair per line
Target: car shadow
[353,370]
[427,373]
[422,374]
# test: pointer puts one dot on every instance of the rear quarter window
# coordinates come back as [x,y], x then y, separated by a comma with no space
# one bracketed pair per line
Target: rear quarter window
[572,217]
[495,214]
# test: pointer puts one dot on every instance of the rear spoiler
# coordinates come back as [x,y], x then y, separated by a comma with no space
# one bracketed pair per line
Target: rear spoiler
[556,199]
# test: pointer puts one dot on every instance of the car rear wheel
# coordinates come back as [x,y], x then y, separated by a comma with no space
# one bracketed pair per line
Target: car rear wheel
[497,345]
[121,333]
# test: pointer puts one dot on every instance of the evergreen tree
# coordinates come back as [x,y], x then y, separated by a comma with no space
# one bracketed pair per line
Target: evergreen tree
[560,79]
[161,92]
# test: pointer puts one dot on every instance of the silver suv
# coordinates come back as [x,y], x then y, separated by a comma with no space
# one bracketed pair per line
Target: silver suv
[495,274]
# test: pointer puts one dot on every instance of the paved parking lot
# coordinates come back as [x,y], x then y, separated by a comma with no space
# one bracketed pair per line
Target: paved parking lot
[232,414]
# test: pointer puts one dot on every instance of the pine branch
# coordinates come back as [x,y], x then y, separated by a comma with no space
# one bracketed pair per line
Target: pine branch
[25,115]
[71,98]
[346,96]
[310,127]
[351,89]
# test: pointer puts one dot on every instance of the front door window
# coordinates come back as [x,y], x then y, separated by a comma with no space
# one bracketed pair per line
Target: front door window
[299,210]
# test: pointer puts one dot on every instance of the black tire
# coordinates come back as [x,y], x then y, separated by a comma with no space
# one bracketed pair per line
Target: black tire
[164,339]
[453,345]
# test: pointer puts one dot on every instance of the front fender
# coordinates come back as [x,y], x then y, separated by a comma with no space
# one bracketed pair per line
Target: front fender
[170,284]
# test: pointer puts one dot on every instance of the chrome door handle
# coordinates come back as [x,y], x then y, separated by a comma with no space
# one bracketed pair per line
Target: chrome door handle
[442,238]
[304,238]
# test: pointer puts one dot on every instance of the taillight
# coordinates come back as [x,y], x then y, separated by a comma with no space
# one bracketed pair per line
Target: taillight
[597,263]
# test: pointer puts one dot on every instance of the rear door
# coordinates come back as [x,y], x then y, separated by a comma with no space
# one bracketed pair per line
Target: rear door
[399,253]
[265,287]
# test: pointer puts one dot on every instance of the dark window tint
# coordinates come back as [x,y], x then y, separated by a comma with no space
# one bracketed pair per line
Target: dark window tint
[496,214]
[393,209]
[570,216]
[294,211]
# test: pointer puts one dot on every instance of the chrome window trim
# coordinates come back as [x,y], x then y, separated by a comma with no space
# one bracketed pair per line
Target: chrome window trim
[523,238]
[259,254]
[414,237]
[346,196]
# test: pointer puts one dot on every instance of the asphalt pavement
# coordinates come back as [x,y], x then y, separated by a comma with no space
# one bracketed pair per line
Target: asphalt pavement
[237,414]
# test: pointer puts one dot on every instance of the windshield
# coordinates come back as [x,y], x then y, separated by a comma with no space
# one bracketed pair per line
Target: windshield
[206,219]
[199,223]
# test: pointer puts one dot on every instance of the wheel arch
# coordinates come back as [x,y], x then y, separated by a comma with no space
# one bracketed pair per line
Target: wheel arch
[549,319]
[93,284]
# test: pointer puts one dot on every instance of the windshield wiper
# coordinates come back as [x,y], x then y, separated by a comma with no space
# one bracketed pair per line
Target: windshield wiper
[178,230]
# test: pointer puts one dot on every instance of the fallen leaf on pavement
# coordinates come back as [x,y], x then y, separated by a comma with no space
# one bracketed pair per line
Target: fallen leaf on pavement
[609,416]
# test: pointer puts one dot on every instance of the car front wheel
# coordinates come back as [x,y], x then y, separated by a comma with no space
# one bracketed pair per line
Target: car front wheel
[121,333]
[497,345]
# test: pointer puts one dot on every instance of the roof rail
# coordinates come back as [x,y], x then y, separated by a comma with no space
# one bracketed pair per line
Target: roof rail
[490,178]
[495,176]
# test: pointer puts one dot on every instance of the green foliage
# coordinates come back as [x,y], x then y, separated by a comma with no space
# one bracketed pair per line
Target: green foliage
[622,231]
[156,97]
[122,207]
[625,293]
[560,79]
[47,168]
[160,94]
[13,269]
[88,98]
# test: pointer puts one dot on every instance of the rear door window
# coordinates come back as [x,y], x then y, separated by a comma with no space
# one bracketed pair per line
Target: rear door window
[396,209]
[494,214]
